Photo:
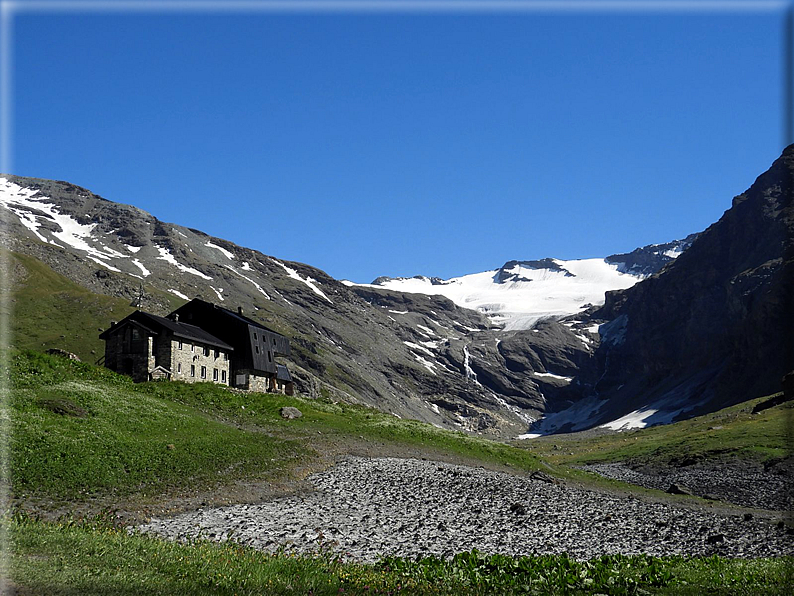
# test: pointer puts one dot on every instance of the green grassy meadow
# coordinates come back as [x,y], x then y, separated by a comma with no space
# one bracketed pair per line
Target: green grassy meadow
[51,311]
[90,440]
[96,557]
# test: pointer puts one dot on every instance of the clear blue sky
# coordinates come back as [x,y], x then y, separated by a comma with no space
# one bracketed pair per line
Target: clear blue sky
[404,143]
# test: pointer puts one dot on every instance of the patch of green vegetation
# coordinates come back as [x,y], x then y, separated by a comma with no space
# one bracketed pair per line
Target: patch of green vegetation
[734,432]
[98,558]
[81,430]
[51,311]
[339,421]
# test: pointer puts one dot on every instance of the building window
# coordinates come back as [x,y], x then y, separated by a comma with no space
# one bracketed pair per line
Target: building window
[192,348]
[214,374]
[203,372]
[192,370]
[257,349]
[269,358]
[223,376]
[179,345]
[255,339]
[217,353]
[179,367]
[206,351]
[225,356]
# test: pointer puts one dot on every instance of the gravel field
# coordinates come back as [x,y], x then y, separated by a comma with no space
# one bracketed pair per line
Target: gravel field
[740,484]
[364,508]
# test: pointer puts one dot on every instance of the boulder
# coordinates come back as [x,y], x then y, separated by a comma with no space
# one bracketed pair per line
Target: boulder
[63,354]
[290,413]
[679,489]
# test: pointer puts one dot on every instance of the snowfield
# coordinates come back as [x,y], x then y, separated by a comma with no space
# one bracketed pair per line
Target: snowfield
[527,294]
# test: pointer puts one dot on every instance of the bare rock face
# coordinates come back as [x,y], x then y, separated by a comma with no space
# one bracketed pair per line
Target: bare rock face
[713,327]
[63,354]
[650,259]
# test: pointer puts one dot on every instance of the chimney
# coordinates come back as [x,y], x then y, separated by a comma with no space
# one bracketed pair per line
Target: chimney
[113,323]
[240,310]
[176,317]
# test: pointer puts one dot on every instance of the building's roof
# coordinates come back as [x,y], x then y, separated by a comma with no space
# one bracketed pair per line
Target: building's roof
[282,373]
[154,324]
[230,313]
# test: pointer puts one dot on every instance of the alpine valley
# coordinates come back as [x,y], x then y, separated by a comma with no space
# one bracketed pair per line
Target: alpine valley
[658,334]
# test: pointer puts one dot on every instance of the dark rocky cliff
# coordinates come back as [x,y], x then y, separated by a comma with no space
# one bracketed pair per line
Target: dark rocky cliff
[715,326]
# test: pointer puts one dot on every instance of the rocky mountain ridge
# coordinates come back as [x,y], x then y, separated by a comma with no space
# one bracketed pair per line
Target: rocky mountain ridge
[669,346]
[714,327]
[415,356]
[520,293]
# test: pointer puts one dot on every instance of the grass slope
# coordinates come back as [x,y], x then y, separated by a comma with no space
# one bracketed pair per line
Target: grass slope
[733,432]
[96,558]
[82,431]
[48,310]
[83,434]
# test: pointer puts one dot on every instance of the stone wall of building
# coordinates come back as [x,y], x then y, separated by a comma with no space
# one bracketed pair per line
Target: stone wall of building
[262,383]
[129,354]
[193,354]
[285,387]
[162,356]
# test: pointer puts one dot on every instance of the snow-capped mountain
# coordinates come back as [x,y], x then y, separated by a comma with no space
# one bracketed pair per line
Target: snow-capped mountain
[115,241]
[520,293]
[405,354]
[671,331]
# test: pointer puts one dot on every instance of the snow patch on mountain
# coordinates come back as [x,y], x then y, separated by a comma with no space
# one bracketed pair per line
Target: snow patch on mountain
[248,279]
[308,280]
[31,211]
[519,295]
[225,252]
[548,375]
[103,264]
[178,293]
[168,257]
[140,266]
[414,346]
[578,416]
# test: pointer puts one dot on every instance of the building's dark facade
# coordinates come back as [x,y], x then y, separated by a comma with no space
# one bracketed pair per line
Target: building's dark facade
[146,346]
[255,346]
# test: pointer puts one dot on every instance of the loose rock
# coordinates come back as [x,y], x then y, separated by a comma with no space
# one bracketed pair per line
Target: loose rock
[290,413]
[412,507]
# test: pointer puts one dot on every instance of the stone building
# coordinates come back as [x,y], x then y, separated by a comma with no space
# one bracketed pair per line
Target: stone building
[256,347]
[147,347]
[199,341]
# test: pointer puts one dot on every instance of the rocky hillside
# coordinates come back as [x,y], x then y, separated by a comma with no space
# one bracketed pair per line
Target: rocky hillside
[706,330]
[415,356]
